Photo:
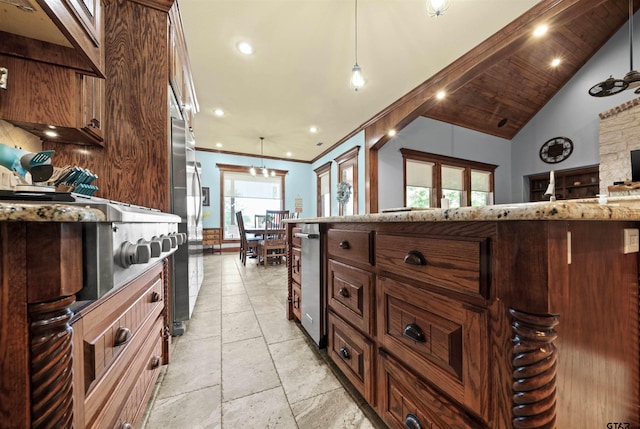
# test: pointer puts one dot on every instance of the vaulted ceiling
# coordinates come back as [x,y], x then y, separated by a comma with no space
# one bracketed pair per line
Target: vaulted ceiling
[483,54]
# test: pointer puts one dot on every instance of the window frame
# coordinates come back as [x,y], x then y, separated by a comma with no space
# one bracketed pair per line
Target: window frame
[440,160]
[349,159]
[321,171]
[242,169]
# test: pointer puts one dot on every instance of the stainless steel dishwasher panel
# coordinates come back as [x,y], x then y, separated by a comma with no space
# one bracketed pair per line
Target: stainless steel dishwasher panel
[311,287]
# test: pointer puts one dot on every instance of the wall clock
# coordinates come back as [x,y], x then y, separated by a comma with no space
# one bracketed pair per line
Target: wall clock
[556,150]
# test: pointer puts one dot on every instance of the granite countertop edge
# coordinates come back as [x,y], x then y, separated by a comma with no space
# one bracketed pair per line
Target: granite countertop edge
[587,209]
[48,212]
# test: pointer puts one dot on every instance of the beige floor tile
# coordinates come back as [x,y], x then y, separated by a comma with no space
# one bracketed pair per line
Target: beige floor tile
[240,326]
[201,409]
[204,324]
[235,303]
[267,409]
[194,365]
[211,302]
[233,288]
[303,373]
[331,410]
[267,304]
[276,328]
[246,368]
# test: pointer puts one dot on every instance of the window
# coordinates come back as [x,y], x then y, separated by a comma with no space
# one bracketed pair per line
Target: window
[429,177]
[348,172]
[323,189]
[253,195]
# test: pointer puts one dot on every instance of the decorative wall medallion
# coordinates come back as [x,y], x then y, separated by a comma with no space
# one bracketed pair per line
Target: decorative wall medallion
[556,150]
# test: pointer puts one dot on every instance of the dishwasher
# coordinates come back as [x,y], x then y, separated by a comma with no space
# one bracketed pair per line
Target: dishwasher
[312,296]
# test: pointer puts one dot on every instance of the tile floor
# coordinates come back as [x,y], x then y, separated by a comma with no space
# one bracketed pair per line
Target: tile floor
[242,364]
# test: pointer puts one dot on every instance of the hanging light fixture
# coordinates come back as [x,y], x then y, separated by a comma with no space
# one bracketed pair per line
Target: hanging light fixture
[436,8]
[613,86]
[357,81]
[264,170]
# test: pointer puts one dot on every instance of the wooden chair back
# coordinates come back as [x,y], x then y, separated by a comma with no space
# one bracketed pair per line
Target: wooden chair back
[274,243]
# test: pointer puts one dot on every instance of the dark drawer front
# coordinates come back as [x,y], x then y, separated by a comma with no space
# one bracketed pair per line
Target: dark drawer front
[296,296]
[407,402]
[458,264]
[296,259]
[351,295]
[354,246]
[353,354]
[442,339]
[296,241]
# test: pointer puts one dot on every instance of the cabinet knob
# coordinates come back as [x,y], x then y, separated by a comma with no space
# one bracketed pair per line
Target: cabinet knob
[414,333]
[344,353]
[343,292]
[155,362]
[94,123]
[123,335]
[155,297]
[344,244]
[126,425]
[412,422]
[415,258]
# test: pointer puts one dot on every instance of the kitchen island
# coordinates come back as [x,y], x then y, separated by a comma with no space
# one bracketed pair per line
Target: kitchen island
[522,315]
[69,363]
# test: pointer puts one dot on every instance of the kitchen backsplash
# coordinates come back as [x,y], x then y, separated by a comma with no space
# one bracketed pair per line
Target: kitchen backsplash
[17,137]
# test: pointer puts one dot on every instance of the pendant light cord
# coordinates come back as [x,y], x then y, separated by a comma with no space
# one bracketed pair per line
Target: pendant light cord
[630,34]
[356,26]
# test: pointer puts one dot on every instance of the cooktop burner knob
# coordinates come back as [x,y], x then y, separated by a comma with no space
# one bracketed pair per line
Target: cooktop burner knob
[156,246]
[165,242]
[180,236]
[130,254]
[174,241]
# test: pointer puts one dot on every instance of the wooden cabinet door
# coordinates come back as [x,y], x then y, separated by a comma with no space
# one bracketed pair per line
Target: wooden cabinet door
[92,99]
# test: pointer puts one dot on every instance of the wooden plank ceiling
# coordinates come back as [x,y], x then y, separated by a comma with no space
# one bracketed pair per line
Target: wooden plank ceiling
[512,81]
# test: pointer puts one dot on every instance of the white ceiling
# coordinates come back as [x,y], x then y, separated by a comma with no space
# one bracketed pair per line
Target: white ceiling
[304,52]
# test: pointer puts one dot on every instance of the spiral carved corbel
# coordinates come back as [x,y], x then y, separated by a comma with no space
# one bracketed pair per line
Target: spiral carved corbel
[534,370]
[51,364]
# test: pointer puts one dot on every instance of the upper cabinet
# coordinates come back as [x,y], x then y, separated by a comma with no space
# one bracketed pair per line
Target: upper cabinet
[62,32]
[180,76]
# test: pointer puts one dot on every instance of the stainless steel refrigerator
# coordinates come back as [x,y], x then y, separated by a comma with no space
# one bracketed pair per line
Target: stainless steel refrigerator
[186,202]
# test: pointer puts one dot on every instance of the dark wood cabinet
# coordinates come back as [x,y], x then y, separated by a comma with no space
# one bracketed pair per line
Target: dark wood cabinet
[570,184]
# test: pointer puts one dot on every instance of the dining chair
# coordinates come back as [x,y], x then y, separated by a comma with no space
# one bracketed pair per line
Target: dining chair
[258,221]
[274,240]
[248,245]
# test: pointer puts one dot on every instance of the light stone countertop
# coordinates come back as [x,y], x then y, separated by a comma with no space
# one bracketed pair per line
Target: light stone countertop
[588,209]
[48,212]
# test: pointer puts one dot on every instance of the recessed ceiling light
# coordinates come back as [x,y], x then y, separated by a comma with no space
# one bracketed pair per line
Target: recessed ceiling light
[289,154]
[218,144]
[391,133]
[245,48]
[313,129]
[555,62]
[441,95]
[540,30]
[218,112]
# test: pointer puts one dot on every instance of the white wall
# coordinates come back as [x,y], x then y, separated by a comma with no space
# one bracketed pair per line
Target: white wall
[428,135]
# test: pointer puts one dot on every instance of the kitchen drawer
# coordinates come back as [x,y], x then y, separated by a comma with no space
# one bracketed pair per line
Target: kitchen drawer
[129,399]
[353,354]
[458,264]
[405,401]
[296,260]
[296,300]
[353,246]
[443,340]
[351,295]
[109,328]
[296,241]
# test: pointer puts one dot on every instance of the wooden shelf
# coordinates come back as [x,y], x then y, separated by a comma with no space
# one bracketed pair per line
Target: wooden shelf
[570,184]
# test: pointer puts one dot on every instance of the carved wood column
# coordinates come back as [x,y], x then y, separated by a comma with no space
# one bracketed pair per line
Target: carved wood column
[534,370]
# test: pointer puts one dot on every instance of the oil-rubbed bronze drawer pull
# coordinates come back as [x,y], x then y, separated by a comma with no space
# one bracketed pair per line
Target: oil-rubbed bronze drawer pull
[343,292]
[412,422]
[155,297]
[155,362]
[415,258]
[344,244]
[345,353]
[122,337]
[414,333]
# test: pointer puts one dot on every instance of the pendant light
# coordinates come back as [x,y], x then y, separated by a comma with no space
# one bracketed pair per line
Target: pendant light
[357,81]
[264,170]
[436,8]
[613,86]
